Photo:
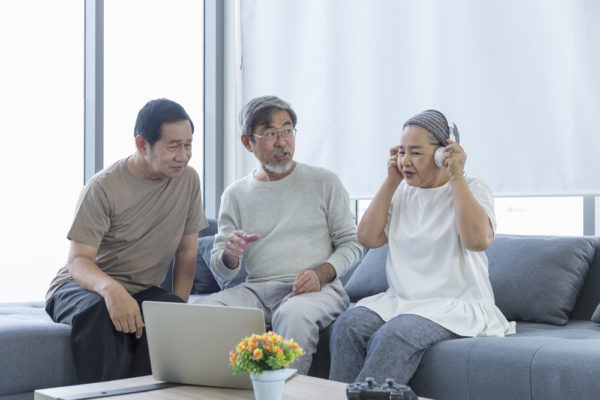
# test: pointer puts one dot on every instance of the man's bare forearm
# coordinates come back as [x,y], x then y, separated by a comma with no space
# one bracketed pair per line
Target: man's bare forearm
[184,268]
[326,273]
[183,275]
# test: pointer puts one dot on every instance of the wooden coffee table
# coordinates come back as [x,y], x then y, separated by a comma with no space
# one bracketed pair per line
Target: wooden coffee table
[298,387]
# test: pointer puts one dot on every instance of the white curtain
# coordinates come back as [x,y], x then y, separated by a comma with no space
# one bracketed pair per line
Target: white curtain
[520,78]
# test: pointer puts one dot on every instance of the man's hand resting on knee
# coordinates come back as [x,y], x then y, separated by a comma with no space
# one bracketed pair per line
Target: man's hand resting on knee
[124,311]
[311,280]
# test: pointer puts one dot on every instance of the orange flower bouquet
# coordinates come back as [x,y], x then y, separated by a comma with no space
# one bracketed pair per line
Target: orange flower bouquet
[258,353]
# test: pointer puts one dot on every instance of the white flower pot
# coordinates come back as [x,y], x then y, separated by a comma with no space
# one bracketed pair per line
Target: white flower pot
[269,385]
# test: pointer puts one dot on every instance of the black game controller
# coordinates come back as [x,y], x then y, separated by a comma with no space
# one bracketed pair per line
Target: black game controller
[369,389]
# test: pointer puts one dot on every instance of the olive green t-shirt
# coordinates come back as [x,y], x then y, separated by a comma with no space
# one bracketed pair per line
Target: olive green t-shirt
[136,224]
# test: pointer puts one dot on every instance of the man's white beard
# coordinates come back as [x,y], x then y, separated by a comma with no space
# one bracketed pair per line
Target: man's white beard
[279,168]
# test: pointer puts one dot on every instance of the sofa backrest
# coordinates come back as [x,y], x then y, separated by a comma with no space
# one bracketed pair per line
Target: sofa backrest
[547,278]
[589,296]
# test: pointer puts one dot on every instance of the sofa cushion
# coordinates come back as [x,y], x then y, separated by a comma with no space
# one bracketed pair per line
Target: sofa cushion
[566,369]
[35,352]
[204,281]
[211,229]
[538,278]
[346,277]
[574,330]
[511,367]
[369,277]
[596,316]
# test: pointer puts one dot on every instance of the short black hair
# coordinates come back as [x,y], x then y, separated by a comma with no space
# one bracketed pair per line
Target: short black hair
[155,113]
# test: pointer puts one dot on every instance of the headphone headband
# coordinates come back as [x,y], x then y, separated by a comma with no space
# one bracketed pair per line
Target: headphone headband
[451,128]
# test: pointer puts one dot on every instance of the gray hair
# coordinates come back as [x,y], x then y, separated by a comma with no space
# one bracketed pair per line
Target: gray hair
[436,123]
[260,111]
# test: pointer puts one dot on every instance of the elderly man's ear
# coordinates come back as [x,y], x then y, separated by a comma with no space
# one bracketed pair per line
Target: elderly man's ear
[141,144]
[246,142]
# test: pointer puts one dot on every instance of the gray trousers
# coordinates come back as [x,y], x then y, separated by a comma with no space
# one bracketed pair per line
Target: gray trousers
[299,317]
[363,345]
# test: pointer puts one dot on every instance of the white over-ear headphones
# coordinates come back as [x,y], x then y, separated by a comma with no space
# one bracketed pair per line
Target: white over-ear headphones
[439,152]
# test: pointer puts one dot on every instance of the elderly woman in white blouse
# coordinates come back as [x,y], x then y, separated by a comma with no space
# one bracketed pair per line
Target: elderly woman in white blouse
[437,223]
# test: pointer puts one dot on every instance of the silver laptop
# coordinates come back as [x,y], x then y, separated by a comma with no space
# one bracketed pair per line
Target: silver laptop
[190,343]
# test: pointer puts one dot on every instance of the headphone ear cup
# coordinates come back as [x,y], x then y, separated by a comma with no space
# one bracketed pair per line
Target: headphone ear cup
[439,154]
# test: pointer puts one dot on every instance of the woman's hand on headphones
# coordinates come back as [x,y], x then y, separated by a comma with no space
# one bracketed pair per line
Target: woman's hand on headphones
[454,157]
[394,162]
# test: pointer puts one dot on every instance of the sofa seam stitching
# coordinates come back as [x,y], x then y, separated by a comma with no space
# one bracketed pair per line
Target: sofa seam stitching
[469,370]
[531,368]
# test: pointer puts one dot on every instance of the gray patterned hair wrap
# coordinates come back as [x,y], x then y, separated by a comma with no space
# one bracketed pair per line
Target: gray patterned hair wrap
[436,123]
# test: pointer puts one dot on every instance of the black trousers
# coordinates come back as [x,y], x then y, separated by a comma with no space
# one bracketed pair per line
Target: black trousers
[100,352]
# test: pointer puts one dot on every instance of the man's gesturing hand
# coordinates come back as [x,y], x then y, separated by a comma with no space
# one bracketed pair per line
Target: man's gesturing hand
[235,246]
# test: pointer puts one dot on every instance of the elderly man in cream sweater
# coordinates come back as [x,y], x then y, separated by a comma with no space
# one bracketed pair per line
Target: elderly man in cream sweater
[292,224]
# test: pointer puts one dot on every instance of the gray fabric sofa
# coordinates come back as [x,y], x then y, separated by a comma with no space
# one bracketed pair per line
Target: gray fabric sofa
[35,352]
[548,284]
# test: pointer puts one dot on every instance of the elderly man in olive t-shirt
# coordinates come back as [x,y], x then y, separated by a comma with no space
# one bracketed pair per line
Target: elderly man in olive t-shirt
[132,219]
